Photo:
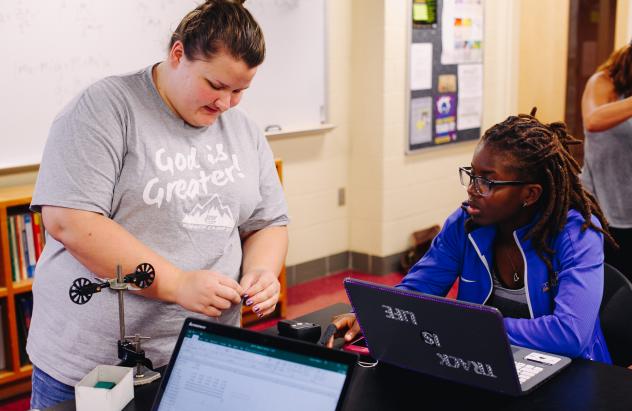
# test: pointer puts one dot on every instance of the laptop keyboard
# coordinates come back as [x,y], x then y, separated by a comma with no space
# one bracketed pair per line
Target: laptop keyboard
[526,371]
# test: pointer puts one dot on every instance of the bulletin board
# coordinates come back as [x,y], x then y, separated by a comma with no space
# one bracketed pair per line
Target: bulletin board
[445,73]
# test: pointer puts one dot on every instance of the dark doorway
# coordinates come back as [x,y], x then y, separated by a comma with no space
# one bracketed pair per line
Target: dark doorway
[590,42]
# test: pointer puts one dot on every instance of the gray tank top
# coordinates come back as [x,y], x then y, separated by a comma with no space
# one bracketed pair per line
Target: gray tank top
[510,303]
[608,170]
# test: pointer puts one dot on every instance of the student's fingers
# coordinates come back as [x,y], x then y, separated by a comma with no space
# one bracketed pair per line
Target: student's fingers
[267,306]
[228,289]
[199,289]
[270,291]
[262,282]
[348,336]
[220,303]
[246,282]
[355,330]
[266,293]
[330,342]
[250,278]
[271,306]
[210,312]
[264,302]
[229,282]
[253,290]
[344,324]
[227,293]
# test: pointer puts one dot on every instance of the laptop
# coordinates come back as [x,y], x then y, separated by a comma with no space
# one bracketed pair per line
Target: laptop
[219,367]
[449,339]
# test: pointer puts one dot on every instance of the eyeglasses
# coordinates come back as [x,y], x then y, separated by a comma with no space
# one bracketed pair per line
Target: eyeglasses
[483,186]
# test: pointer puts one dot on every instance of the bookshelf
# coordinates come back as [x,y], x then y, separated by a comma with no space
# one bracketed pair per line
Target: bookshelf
[15,378]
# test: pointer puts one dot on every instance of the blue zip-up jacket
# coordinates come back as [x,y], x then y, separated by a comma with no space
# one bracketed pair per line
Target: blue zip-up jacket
[564,318]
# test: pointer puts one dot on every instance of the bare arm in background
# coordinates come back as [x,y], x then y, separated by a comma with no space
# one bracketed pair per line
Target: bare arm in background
[601,108]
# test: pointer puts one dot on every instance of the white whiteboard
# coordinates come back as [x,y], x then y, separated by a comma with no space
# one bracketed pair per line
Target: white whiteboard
[52,49]
[289,88]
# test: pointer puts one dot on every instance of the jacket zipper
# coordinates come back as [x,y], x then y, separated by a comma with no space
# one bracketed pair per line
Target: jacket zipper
[526,282]
[484,260]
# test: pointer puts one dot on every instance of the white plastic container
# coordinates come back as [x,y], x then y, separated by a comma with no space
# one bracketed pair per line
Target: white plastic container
[89,398]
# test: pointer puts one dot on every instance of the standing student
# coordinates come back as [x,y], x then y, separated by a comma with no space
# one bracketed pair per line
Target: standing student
[156,167]
[607,115]
[529,241]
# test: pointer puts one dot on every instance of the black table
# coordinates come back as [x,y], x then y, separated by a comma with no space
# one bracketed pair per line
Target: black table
[584,385]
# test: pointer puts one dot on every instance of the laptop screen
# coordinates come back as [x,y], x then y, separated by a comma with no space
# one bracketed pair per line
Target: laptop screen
[220,372]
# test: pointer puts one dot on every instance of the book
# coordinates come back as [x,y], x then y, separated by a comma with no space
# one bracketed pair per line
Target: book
[26,303]
[30,244]
[19,235]
[13,251]
[42,231]
[37,234]
[23,312]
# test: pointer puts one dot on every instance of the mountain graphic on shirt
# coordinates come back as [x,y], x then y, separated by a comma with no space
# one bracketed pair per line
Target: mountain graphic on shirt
[213,215]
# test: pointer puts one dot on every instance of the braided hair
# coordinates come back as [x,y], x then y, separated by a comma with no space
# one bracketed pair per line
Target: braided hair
[540,153]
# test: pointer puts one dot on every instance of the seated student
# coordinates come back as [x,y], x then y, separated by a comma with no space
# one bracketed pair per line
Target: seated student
[529,241]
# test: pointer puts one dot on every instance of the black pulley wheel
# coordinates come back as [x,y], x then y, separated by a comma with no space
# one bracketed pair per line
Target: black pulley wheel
[77,295]
[144,275]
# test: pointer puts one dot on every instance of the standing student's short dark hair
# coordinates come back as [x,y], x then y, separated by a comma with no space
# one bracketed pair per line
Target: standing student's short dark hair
[218,25]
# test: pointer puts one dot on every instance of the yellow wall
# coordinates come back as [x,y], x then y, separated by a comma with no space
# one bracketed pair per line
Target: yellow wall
[8,180]
[366,163]
[542,59]
[623,28]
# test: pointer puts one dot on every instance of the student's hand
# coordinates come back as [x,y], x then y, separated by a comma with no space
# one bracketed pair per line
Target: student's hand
[207,292]
[261,291]
[347,325]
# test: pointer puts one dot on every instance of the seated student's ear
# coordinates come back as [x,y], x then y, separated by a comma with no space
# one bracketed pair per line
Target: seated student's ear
[531,194]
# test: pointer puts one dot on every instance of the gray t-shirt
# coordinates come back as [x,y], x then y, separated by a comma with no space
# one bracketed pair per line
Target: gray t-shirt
[607,170]
[186,192]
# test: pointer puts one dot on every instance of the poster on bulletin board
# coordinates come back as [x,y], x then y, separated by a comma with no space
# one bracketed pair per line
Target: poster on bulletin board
[445,72]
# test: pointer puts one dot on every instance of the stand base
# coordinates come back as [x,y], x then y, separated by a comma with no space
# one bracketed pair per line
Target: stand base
[145,376]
